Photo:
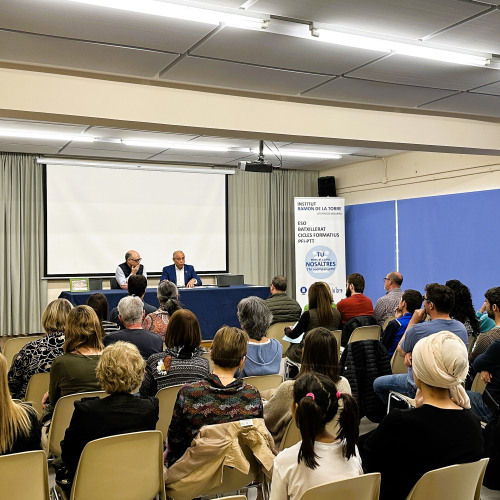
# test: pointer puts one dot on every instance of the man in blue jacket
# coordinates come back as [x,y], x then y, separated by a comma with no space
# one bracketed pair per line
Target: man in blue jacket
[183,275]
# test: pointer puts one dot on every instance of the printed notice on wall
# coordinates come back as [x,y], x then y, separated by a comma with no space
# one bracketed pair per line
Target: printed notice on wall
[319,246]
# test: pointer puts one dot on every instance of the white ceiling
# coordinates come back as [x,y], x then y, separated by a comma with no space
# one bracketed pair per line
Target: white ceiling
[69,35]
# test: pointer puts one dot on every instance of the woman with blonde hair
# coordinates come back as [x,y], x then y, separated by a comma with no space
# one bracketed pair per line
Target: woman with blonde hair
[19,427]
[120,371]
[74,371]
[37,356]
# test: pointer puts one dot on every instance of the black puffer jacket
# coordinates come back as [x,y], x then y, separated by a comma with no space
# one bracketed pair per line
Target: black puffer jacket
[361,363]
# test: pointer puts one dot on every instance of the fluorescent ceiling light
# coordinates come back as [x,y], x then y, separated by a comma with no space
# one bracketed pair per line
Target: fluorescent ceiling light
[308,154]
[22,134]
[407,49]
[185,11]
[168,145]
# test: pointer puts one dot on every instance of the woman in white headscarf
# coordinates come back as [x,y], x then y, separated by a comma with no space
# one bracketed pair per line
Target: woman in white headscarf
[441,431]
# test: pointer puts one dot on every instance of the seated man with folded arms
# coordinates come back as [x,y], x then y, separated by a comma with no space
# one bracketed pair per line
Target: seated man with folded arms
[438,302]
[409,303]
[130,267]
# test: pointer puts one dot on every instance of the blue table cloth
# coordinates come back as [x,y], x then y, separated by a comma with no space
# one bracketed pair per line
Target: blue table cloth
[213,306]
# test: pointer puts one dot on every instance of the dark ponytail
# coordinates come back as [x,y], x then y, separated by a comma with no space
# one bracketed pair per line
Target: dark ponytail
[317,404]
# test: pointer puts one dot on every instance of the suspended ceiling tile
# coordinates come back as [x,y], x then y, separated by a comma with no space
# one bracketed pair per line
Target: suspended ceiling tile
[139,135]
[286,52]
[208,158]
[41,127]
[84,151]
[320,148]
[481,34]
[370,92]
[405,18]
[468,102]
[88,22]
[241,76]
[27,148]
[407,70]
[380,152]
[493,88]
[81,55]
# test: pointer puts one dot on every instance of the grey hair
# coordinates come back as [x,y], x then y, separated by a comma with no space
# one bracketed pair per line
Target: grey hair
[128,255]
[279,282]
[168,297]
[130,309]
[177,251]
[254,317]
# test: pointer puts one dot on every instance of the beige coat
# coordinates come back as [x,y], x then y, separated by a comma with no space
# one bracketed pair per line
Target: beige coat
[215,448]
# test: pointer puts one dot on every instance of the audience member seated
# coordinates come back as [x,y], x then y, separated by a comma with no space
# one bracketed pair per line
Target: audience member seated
[320,355]
[37,356]
[463,310]
[263,354]
[168,297]
[329,291]
[485,322]
[136,286]
[131,316]
[19,427]
[355,303]
[74,371]
[488,365]
[99,303]
[411,300]
[386,305]
[438,302]
[182,362]
[120,371]
[283,308]
[218,398]
[320,313]
[439,432]
[321,456]
[484,340]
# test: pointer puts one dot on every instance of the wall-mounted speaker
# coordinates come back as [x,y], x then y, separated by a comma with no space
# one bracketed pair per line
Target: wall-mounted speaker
[326,186]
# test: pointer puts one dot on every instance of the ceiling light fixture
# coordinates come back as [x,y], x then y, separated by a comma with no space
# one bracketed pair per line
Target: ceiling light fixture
[168,145]
[308,154]
[22,134]
[391,46]
[187,11]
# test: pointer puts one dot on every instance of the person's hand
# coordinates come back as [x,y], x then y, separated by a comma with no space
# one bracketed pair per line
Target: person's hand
[44,399]
[486,377]
[419,400]
[483,308]
[191,283]
[135,269]
[287,330]
[398,313]
[419,316]
[408,359]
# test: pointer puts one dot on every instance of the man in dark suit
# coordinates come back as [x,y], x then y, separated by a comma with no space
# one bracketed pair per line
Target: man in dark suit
[179,273]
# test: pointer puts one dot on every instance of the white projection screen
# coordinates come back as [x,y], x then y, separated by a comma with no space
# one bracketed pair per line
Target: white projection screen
[95,214]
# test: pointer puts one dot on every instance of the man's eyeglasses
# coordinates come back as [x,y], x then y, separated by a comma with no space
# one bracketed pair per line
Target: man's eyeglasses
[387,279]
[136,260]
[427,300]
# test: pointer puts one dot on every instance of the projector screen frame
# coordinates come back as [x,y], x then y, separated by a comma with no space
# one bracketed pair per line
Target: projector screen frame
[157,274]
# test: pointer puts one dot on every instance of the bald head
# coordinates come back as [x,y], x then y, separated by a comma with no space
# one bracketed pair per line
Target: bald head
[393,280]
[179,259]
[132,258]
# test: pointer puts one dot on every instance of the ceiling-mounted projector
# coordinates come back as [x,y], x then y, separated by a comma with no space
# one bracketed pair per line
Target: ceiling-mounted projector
[259,165]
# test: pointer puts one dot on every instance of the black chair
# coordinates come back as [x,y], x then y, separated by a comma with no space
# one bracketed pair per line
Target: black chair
[230,279]
[113,284]
[95,284]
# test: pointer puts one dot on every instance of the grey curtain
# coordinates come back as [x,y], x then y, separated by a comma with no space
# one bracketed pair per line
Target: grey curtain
[22,294]
[261,223]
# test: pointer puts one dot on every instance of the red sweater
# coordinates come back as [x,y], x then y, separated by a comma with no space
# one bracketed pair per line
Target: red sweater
[355,305]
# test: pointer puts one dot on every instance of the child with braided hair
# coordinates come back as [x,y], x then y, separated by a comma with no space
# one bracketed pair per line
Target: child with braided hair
[320,457]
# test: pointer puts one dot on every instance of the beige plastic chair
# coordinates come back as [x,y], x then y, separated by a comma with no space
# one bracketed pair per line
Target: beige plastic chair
[123,467]
[276,332]
[61,419]
[292,436]
[365,487]
[265,382]
[398,364]
[478,385]
[365,333]
[338,337]
[24,476]
[13,346]
[167,398]
[457,482]
[210,362]
[37,387]
[386,322]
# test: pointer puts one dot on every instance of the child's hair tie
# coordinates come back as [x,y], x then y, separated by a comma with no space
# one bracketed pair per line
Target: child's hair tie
[310,394]
[339,394]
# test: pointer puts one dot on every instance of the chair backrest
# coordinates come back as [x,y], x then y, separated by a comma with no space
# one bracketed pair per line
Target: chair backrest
[37,387]
[338,337]
[265,382]
[113,284]
[398,364]
[365,487]
[230,279]
[276,332]
[365,333]
[210,362]
[62,417]
[353,323]
[472,341]
[460,482]
[478,385]
[13,346]
[123,467]
[167,398]
[24,475]
[292,436]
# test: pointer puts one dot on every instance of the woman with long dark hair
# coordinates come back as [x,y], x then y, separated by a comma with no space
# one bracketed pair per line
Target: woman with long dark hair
[99,303]
[463,310]
[321,456]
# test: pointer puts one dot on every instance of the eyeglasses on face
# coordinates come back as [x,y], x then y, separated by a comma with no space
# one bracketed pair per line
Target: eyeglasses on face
[136,260]
[387,279]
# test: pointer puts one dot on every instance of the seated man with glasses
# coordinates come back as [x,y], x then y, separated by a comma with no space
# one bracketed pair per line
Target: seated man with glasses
[131,266]
[386,305]
[438,302]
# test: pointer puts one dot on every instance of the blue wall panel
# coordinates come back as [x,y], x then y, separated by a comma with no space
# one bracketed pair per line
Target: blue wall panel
[451,237]
[371,243]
